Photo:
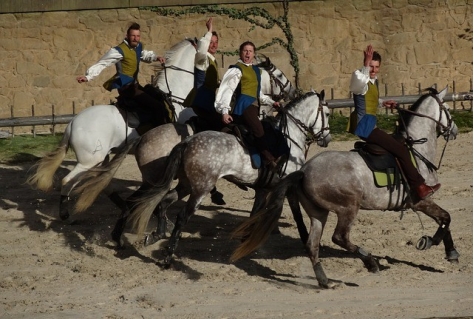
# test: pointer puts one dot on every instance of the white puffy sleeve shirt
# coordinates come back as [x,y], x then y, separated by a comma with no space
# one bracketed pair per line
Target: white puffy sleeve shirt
[229,83]
[113,56]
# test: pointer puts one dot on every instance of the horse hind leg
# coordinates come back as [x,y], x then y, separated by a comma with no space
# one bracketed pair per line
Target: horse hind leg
[182,219]
[67,185]
[341,237]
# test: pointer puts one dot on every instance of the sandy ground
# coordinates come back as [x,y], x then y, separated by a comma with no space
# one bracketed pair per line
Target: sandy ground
[50,269]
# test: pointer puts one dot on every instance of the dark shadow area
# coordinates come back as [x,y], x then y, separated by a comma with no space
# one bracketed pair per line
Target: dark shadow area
[207,239]
[41,210]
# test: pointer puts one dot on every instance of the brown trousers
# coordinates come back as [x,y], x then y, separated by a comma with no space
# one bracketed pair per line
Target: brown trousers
[250,118]
[398,150]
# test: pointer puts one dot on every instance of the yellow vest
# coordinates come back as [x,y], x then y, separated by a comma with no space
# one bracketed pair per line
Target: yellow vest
[127,68]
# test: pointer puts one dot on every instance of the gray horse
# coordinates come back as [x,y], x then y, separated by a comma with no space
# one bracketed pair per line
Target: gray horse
[156,144]
[343,183]
[203,158]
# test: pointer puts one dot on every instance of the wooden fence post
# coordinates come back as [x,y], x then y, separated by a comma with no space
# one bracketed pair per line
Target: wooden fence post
[53,128]
[11,115]
[33,114]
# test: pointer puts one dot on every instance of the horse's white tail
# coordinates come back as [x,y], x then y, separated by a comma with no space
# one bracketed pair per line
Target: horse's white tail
[45,169]
[98,178]
[146,204]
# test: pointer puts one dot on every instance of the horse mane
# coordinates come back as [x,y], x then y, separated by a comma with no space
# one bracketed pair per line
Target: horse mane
[175,57]
[175,53]
[406,117]
[299,99]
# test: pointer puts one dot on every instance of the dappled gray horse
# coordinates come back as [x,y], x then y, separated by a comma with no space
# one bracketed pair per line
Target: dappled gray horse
[342,182]
[157,143]
[203,158]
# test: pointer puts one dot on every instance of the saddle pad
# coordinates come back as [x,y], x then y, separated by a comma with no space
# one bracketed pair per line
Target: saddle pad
[381,178]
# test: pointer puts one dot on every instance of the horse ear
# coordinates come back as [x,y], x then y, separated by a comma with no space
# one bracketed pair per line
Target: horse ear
[322,95]
[442,94]
[312,90]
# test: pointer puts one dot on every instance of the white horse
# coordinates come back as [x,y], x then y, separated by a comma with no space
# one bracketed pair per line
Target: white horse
[343,183]
[203,158]
[98,130]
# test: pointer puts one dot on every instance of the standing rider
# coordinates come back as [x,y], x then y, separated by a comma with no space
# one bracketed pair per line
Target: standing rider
[126,57]
[206,81]
[364,85]
[202,96]
[244,78]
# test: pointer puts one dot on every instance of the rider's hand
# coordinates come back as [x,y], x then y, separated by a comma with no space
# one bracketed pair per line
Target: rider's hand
[276,105]
[161,59]
[209,25]
[81,79]
[368,54]
[226,118]
[390,104]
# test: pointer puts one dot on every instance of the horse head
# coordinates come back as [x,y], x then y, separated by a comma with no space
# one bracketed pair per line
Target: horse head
[446,127]
[432,107]
[274,81]
[176,77]
[310,113]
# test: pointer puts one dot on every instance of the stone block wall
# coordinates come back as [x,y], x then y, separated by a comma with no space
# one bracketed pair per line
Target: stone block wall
[422,42]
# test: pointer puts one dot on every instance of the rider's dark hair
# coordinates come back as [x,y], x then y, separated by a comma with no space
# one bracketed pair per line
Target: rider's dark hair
[215,34]
[134,26]
[377,57]
[247,43]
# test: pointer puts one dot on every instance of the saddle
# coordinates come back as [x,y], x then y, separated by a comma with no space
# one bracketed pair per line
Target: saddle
[138,118]
[386,171]
[383,165]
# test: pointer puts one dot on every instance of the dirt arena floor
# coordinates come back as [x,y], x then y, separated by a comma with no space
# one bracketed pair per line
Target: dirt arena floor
[50,269]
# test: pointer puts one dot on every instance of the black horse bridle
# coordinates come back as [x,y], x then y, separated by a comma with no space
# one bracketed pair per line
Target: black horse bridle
[445,129]
[311,137]
[271,68]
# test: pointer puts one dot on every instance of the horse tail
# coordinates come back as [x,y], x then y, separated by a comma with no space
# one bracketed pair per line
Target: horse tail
[45,168]
[146,203]
[97,178]
[258,227]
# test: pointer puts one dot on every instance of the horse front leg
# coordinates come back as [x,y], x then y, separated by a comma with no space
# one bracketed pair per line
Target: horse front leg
[443,219]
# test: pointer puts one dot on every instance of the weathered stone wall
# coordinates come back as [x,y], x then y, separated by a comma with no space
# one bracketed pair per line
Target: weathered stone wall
[421,42]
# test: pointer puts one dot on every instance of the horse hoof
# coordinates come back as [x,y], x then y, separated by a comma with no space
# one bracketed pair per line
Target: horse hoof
[152,238]
[452,256]
[424,243]
[64,214]
[117,238]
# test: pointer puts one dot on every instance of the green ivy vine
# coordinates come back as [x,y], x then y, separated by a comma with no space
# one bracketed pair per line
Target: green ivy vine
[256,16]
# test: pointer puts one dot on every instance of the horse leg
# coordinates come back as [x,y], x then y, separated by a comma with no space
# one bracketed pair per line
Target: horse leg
[318,218]
[292,198]
[160,212]
[181,220]
[443,219]
[120,224]
[67,184]
[312,247]
[345,219]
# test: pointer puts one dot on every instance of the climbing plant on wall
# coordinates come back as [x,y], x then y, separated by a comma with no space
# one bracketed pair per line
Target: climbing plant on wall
[256,16]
